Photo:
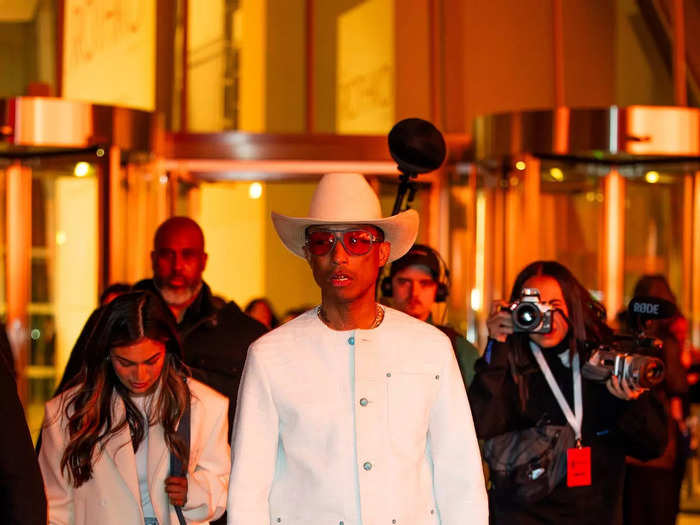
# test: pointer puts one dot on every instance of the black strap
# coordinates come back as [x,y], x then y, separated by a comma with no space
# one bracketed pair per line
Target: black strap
[177,469]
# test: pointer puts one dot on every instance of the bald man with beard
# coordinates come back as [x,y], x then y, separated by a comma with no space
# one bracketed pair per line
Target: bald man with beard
[215,334]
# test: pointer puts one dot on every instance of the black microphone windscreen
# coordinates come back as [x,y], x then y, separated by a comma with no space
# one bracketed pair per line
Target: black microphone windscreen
[647,308]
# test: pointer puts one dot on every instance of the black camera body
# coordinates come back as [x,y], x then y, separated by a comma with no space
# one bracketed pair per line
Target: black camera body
[529,314]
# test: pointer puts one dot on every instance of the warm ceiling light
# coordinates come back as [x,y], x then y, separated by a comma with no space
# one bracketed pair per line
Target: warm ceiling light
[255,190]
[652,177]
[81,169]
[556,174]
[520,165]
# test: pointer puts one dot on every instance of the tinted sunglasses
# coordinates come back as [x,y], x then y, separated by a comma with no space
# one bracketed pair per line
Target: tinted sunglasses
[355,242]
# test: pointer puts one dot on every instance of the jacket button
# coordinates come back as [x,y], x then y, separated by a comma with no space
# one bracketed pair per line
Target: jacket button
[279,520]
[388,374]
[364,402]
[393,521]
[351,341]
[367,465]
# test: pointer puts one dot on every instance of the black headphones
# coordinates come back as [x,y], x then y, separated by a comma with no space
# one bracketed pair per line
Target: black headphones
[443,279]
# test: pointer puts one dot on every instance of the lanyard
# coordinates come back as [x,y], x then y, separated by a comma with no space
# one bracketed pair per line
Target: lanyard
[574,418]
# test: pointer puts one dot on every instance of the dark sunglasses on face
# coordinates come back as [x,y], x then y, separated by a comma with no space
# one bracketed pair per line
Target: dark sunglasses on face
[355,242]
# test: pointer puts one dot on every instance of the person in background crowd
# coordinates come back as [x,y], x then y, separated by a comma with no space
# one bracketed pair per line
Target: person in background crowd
[109,438]
[215,335]
[652,488]
[261,310]
[529,380]
[352,412]
[22,499]
[416,282]
[113,291]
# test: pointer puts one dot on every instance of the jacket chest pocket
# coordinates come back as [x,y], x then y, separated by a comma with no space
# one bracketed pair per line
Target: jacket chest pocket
[411,394]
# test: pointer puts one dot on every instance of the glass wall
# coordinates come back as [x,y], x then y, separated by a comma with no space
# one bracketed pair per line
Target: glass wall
[658,208]
[572,219]
[28,48]
[608,225]
[250,63]
[64,270]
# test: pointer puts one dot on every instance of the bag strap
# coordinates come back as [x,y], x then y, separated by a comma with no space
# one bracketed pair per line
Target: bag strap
[177,469]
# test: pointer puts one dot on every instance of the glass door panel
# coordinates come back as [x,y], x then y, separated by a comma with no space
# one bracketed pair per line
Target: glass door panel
[140,200]
[64,271]
[657,230]
[572,219]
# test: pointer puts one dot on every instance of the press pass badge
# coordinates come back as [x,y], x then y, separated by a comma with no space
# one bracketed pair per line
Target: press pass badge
[578,467]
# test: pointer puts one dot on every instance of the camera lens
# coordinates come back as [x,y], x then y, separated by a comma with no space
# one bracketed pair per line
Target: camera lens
[526,317]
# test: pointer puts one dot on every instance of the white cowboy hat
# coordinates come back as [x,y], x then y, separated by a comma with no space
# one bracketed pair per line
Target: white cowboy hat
[347,198]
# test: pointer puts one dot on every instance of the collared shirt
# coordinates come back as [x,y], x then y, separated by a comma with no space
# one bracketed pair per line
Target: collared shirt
[361,427]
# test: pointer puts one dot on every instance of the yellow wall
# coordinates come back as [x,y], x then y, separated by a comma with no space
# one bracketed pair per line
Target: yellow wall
[365,68]
[252,68]
[288,277]
[110,59]
[205,56]
[234,232]
[286,66]
[75,279]
[412,39]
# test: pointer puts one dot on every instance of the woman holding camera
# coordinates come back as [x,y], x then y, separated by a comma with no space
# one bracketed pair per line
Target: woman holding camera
[555,441]
[110,438]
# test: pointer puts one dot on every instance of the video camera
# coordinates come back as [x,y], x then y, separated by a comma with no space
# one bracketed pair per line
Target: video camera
[634,357]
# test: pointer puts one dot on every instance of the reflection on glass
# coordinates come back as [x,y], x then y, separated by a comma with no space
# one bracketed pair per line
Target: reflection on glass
[655,227]
[63,273]
[571,224]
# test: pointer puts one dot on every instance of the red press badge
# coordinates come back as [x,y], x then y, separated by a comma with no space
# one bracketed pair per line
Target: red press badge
[578,467]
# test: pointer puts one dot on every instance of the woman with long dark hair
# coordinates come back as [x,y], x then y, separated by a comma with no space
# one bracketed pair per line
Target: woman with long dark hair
[530,389]
[109,438]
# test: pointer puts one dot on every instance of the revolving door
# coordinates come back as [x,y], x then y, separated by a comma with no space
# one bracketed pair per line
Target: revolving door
[65,168]
[613,194]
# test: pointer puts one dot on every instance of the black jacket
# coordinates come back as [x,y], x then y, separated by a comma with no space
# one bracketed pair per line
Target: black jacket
[22,498]
[215,338]
[613,428]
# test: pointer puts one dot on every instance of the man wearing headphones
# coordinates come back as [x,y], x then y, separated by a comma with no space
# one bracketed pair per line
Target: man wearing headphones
[416,282]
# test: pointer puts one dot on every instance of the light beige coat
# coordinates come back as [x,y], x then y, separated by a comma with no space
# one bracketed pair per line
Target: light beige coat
[112,496]
[366,427]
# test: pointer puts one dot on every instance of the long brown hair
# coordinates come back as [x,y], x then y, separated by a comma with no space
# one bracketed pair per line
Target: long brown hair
[88,411]
[586,317]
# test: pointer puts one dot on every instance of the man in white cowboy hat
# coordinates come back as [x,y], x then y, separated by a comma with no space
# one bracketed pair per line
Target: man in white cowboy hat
[353,413]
